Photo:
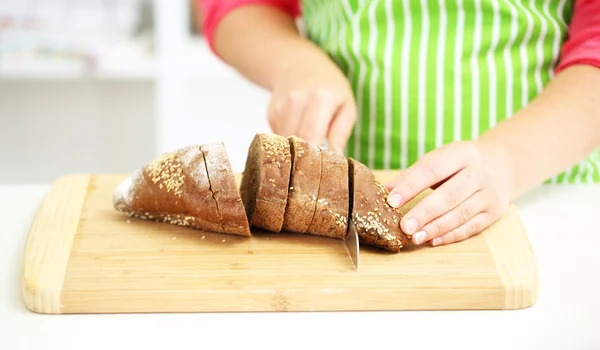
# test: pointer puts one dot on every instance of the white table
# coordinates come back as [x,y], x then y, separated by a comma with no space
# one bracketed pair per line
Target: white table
[563,226]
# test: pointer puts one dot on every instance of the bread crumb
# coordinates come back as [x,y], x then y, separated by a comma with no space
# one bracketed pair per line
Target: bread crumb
[203,237]
[174,238]
[249,252]
[129,221]
[224,240]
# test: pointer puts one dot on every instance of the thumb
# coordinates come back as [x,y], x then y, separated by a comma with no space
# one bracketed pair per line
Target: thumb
[341,127]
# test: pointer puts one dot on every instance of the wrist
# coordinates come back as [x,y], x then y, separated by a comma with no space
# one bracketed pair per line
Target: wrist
[502,163]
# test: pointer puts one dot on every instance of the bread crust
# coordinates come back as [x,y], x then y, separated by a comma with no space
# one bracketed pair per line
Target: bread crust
[224,189]
[173,188]
[304,185]
[377,223]
[265,182]
[332,208]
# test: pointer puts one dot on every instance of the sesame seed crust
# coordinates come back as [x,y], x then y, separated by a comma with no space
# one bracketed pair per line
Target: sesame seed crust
[173,188]
[330,218]
[377,223]
[266,180]
[304,185]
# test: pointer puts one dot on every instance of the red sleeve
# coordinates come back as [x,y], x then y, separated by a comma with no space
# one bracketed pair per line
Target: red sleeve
[583,43]
[213,12]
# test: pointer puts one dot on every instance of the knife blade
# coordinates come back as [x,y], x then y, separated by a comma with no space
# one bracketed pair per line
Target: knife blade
[351,242]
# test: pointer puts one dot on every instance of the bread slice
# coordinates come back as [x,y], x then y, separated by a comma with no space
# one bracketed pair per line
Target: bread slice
[265,182]
[225,191]
[172,188]
[377,223]
[304,185]
[332,208]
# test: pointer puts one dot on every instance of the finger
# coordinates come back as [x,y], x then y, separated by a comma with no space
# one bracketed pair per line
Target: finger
[341,127]
[289,113]
[315,120]
[449,221]
[442,200]
[273,115]
[470,228]
[431,169]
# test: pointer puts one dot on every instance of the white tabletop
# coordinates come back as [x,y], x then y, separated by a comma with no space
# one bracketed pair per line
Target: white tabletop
[562,223]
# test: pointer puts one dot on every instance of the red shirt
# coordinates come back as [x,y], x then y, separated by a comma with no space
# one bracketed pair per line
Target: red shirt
[582,45]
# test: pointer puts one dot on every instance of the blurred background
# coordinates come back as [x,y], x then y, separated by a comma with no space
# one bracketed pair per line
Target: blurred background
[107,85]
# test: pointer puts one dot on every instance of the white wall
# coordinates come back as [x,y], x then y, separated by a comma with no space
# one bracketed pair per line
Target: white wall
[51,128]
[117,119]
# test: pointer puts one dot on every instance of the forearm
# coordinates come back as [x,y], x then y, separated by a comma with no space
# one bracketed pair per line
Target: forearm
[556,130]
[260,41]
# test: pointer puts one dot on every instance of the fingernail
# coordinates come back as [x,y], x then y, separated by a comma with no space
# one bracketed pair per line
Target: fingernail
[420,237]
[411,226]
[436,241]
[395,199]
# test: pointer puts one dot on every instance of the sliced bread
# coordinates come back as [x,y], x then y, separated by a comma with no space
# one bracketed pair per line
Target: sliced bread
[304,185]
[173,188]
[265,182]
[224,188]
[332,208]
[377,223]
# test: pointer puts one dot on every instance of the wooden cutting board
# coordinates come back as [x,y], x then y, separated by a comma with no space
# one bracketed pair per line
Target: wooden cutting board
[82,256]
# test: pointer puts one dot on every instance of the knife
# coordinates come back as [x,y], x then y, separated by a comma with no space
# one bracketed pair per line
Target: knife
[351,241]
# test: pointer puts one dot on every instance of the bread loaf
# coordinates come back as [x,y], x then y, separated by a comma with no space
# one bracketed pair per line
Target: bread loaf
[304,185]
[332,208]
[265,182]
[225,191]
[173,188]
[377,223]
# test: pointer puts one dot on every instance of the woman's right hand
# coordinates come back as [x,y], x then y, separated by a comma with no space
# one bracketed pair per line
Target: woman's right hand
[313,100]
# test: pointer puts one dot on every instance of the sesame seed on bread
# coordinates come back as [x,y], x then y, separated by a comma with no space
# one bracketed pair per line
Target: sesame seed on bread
[265,182]
[377,223]
[173,188]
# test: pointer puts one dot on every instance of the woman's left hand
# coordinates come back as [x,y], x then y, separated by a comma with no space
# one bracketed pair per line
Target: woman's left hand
[473,186]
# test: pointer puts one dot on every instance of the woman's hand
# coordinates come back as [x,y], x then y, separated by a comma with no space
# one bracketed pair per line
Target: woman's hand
[473,185]
[313,100]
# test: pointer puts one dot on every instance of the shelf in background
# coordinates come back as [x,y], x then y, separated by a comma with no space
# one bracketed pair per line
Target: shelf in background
[197,62]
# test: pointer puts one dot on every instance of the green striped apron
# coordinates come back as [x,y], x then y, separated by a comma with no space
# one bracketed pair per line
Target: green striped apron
[429,72]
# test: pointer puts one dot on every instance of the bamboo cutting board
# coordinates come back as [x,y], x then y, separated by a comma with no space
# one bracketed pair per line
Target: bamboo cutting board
[82,256]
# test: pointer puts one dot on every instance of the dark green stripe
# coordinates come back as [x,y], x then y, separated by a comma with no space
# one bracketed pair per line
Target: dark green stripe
[413,109]
[467,74]
[366,36]
[382,23]
[450,72]
[432,54]
[487,40]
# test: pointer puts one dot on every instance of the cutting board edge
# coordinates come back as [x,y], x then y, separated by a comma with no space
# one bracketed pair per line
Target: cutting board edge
[517,267]
[49,243]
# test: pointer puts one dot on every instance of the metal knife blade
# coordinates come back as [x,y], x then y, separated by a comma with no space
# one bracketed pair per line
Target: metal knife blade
[351,241]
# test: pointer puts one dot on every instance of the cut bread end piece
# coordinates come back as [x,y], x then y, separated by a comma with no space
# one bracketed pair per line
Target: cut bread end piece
[225,191]
[173,188]
[330,218]
[265,182]
[377,223]
[304,185]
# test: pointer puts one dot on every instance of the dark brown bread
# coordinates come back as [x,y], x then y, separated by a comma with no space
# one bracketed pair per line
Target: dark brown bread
[332,208]
[265,182]
[225,191]
[172,188]
[304,185]
[377,223]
